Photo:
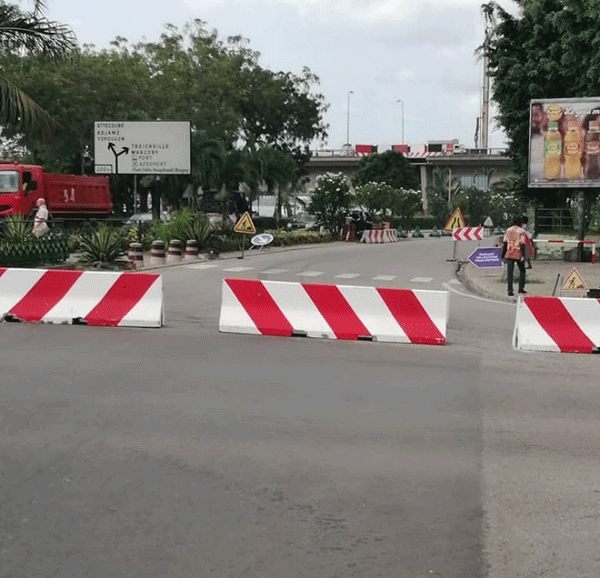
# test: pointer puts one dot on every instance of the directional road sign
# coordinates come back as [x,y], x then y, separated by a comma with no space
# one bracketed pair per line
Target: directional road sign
[487,257]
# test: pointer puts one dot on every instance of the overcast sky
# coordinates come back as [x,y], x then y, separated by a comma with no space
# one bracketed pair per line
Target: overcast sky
[418,51]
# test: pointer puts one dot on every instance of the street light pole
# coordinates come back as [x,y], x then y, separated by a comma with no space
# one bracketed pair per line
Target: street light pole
[348,121]
[402,103]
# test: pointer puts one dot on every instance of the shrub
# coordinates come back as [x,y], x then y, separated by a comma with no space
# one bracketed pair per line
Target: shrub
[15,228]
[29,252]
[103,245]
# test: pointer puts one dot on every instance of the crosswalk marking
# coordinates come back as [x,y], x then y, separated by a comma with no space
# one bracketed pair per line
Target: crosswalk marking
[238,269]
[348,276]
[201,266]
[274,271]
[310,274]
[422,280]
[384,278]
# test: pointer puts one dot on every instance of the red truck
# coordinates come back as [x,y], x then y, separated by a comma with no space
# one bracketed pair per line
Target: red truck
[66,195]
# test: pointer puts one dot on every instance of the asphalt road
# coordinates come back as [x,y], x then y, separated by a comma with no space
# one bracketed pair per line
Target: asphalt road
[185,452]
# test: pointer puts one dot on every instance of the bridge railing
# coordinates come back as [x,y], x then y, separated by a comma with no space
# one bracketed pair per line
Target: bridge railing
[463,151]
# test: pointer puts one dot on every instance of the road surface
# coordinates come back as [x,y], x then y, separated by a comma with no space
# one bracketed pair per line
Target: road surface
[184,452]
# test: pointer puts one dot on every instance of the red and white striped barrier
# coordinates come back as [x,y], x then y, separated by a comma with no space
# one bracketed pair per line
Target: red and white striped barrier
[468,234]
[334,312]
[87,298]
[556,324]
[590,242]
[380,236]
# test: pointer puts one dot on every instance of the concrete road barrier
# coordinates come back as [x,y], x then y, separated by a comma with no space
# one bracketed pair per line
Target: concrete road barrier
[379,236]
[78,297]
[556,324]
[334,312]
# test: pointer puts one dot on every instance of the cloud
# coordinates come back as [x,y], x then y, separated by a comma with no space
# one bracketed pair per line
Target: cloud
[364,12]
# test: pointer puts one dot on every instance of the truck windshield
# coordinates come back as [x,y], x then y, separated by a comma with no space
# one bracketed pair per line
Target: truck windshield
[9,182]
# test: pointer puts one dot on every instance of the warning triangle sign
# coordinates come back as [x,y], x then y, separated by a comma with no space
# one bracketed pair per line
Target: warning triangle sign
[245,225]
[456,221]
[574,282]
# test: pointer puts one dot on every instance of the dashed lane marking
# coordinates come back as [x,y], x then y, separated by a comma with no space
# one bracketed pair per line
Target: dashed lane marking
[274,271]
[384,278]
[311,274]
[201,267]
[421,280]
[237,269]
[348,276]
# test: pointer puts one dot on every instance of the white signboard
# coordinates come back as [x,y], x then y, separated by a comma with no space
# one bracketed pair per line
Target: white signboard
[142,148]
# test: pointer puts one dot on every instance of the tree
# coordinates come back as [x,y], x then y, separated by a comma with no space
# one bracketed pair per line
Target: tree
[440,193]
[541,52]
[187,74]
[474,204]
[31,33]
[406,203]
[389,167]
[330,200]
[376,198]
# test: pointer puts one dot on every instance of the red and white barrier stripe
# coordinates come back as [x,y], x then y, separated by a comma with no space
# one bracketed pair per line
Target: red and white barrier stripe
[90,297]
[468,234]
[380,236]
[334,311]
[590,242]
[557,324]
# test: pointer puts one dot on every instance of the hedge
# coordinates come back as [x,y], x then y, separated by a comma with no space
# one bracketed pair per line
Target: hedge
[33,252]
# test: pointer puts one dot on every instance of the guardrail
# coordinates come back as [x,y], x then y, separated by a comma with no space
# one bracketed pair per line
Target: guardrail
[351,153]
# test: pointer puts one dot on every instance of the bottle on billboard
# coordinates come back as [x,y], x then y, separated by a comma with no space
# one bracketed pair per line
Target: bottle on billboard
[572,149]
[592,151]
[552,152]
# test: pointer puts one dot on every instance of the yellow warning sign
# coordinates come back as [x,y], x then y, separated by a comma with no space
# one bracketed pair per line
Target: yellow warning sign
[574,282]
[456,221]
[245,225]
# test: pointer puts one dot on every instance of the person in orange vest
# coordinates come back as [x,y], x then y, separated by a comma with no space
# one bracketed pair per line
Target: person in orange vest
[513,252]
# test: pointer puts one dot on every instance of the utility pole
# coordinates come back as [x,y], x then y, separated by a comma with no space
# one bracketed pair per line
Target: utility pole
[348,122]
[402,103]
[490,26]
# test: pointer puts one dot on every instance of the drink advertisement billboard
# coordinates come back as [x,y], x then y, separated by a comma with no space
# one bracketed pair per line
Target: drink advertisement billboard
[564,143]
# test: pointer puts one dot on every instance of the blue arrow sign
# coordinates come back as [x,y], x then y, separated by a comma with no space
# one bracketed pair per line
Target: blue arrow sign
[487,257]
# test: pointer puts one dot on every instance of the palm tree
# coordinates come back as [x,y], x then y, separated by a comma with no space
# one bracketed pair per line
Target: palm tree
[28,32]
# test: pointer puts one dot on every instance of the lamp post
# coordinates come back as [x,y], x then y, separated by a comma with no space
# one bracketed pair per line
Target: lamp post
[402,103]
[348,122]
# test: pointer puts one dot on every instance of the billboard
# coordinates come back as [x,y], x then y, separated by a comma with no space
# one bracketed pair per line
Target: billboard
[142,148]
[564,143]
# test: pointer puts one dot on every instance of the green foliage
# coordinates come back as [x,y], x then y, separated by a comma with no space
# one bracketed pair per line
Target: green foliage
[31,252]
[240,111]
[544,50]
[377,198]
[184,226]
[29,33]
[329,201]
[289,238]
[406,203]
[102,245]
[15,228]
[389,167]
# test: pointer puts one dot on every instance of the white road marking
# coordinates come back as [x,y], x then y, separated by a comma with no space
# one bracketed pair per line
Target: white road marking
[348,276]
[450,288]
[238,269]
[422,280]
[454,282]
[274,271]
[201,267]
[384,278]
[310,274]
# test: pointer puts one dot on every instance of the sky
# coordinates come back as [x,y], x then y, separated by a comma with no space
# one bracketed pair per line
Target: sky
[421,52]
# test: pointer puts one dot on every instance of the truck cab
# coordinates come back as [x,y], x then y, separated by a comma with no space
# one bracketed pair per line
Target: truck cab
[18,184]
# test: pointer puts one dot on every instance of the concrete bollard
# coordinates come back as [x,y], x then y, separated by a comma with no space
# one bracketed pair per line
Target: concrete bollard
[157,253]
[136,254]
[191,250]
[174,252]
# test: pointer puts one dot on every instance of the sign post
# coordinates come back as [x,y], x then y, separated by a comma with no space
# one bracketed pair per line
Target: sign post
[245,226]
[455,221]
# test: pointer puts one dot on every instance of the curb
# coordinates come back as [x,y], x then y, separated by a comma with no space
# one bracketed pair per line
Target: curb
[471,283]
[237,255]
